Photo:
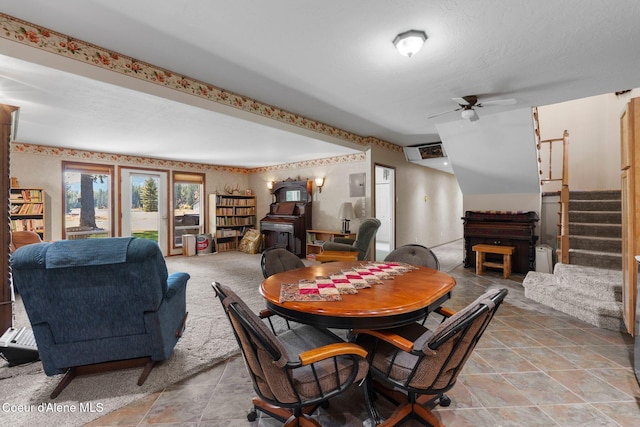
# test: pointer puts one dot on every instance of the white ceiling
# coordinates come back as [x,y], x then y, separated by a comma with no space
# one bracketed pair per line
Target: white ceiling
[331,61]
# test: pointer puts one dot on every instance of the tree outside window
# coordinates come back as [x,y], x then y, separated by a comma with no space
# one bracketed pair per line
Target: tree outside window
[87,209]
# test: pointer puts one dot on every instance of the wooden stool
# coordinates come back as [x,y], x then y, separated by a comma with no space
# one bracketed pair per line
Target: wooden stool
[505,251]
[328,256]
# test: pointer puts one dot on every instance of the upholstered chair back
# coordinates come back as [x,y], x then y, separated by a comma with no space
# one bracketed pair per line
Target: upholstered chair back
[277,260]
[415,255]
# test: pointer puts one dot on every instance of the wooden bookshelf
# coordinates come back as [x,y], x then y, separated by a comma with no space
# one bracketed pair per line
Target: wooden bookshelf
[27,210]
[229,217]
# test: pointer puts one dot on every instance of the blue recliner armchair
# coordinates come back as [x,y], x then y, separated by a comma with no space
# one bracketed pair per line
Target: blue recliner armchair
[93,301]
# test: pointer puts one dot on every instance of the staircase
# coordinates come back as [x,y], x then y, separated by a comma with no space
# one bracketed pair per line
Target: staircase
[595,229]
[590,286]
[593,295]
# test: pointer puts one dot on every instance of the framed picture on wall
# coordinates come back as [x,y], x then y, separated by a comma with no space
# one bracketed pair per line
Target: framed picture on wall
[356,184]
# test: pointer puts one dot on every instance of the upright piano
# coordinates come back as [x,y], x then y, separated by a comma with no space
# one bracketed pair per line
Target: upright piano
[502,228]
[289,217]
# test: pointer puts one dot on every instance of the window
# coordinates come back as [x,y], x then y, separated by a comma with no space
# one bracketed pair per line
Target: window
[188,205]
[88,200]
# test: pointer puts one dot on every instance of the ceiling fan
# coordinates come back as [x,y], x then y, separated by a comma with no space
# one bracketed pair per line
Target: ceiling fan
[469,103]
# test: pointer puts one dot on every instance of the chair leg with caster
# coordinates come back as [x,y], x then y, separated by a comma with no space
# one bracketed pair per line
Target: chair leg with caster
[444,400]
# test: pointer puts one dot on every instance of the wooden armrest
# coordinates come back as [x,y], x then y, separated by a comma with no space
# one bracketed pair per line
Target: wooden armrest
[446,312]
[331,350]
[265,313]
[385,335]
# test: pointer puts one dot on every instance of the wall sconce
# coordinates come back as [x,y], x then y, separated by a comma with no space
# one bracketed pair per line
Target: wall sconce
[270,185]
[319,184]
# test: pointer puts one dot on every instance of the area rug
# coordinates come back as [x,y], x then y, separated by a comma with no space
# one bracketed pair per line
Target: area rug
[25,389]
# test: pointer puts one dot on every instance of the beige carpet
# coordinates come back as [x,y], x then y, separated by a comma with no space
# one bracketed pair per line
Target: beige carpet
[24,390]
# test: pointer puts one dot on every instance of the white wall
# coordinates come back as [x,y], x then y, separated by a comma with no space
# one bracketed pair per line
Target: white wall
[594,138]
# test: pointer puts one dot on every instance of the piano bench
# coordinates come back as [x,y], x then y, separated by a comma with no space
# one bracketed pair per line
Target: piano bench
[505,251]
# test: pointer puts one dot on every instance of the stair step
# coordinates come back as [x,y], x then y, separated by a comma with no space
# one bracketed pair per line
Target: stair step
[595,195]
[599,283]
[600,217]
[595,205]
[600,244]
[546,289]
[604,260]
[595,229]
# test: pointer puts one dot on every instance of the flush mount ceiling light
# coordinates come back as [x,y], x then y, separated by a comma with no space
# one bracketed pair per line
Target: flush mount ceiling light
[410,42]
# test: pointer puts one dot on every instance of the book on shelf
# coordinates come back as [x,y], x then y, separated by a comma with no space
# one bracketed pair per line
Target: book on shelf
[36,225]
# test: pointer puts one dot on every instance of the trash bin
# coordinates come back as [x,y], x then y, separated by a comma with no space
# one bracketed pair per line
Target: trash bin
[204,244]
[544,259]
[188,244]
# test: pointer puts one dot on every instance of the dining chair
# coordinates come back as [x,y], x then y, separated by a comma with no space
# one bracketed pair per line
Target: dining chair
[414,366]
[277,260]
[416,255]
[296,371]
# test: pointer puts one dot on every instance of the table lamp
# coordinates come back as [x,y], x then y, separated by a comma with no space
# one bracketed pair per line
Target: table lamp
[346,213]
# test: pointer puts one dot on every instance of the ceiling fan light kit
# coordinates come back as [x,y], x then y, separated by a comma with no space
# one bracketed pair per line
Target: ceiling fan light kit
[410,42]
[469,114]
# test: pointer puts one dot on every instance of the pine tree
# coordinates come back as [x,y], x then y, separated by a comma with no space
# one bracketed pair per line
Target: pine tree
[149,195]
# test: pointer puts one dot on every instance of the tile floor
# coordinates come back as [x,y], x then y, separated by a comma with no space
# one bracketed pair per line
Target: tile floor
[533,367]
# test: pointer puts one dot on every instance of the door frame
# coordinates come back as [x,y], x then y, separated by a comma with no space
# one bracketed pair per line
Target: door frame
[392,198]
[124,201]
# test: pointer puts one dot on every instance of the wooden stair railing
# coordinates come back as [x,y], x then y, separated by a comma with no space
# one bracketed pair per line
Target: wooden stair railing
[563,214]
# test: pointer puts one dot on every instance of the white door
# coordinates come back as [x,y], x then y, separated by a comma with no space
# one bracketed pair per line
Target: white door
[385,210]
[143,202]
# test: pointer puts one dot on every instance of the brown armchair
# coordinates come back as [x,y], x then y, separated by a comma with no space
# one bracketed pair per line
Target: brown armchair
[415,366]
[23,238]
[295,371]
[362,243]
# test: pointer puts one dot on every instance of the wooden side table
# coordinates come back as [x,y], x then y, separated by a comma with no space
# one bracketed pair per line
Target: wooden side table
[329,256]
[315,239]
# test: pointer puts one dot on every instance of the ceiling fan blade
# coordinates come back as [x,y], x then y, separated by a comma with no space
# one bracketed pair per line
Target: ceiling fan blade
[460,101]
[510,101]
[469,100]
[443,113]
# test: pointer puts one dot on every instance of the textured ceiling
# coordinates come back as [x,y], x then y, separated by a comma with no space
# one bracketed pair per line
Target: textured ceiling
[330,61]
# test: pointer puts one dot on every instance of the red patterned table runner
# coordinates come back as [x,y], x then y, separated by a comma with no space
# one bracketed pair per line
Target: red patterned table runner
[330,288]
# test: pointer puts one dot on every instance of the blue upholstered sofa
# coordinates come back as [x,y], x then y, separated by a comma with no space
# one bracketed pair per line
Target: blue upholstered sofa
[100,300]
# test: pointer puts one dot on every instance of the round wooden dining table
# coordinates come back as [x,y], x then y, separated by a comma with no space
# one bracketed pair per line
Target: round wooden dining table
[405,298]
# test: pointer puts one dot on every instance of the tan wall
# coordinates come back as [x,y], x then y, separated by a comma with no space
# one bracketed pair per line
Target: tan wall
[45,171]
[334,192]
[431,222]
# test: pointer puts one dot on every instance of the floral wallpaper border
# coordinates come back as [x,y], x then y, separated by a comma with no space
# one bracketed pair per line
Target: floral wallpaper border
[60,44]
[173,164]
